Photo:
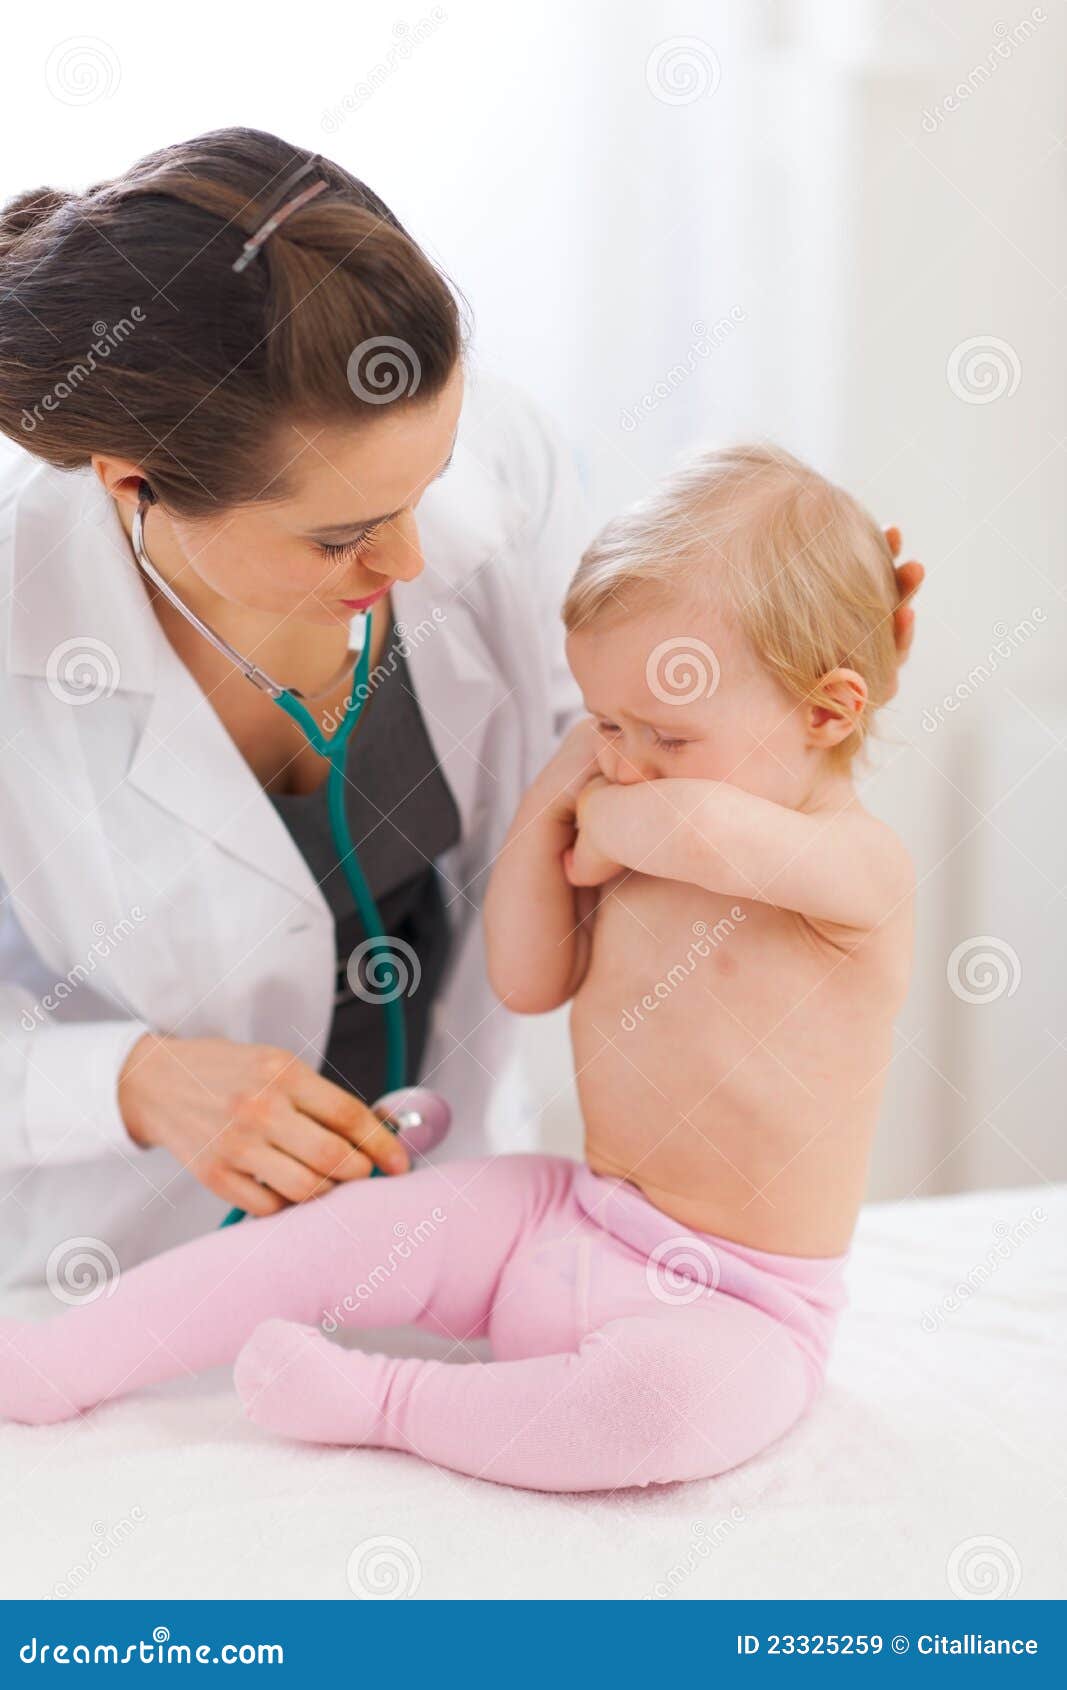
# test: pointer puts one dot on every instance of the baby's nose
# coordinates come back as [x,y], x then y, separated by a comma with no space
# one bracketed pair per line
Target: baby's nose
[623,770]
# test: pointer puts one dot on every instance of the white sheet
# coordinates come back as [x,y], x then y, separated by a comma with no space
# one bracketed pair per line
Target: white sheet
[932,1432]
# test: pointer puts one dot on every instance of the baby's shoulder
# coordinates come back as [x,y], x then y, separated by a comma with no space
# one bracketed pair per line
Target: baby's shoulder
[881,865]
[883,851]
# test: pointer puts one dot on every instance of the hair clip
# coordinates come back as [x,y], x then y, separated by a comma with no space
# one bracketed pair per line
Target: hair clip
[254,242]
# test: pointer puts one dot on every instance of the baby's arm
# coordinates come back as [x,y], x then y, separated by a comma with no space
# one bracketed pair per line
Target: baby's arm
[840,866]
[536,924]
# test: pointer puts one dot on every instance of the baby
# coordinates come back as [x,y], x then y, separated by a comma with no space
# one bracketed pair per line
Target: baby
[694,872]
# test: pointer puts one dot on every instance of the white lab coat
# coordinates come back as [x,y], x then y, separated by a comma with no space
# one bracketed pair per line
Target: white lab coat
[148,882]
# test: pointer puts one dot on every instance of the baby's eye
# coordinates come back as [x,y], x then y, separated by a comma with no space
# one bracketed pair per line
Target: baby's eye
[669,744]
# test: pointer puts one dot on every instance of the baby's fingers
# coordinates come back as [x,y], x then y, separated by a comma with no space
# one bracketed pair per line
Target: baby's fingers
[587,868]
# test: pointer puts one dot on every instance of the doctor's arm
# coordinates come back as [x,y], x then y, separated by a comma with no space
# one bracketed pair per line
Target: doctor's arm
[59,1082]
[254,1124]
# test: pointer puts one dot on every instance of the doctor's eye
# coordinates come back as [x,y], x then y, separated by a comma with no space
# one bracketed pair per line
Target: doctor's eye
[350,548]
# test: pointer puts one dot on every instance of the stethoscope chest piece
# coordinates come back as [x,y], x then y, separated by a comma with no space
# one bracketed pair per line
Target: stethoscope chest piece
[419,1116]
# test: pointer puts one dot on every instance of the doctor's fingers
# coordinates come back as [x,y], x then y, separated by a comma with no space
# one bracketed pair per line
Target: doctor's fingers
[322,1149]
[241,1191]
[345,1115]
[280,1172]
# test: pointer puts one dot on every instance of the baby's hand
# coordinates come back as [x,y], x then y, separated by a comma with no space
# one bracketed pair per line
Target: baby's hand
[583,864]
[566,773]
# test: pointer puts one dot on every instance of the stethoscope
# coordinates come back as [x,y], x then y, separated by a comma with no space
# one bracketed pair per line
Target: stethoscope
[421,1115]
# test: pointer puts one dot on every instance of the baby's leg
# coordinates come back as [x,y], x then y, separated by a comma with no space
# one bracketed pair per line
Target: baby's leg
[647,1399]
[425,1248]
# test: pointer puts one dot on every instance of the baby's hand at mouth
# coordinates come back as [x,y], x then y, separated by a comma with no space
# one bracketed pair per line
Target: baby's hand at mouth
[583,863]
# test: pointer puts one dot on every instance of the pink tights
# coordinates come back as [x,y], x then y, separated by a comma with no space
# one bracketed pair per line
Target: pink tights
[627,1350]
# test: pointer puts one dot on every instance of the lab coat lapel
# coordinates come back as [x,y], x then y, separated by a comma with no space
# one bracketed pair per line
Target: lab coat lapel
[187,763]
[77,588]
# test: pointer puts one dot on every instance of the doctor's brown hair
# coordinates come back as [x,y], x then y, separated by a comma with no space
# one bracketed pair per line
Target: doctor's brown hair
[124,328]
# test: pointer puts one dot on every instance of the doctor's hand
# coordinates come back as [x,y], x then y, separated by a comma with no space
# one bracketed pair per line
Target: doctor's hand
[910,577]
[253,1123]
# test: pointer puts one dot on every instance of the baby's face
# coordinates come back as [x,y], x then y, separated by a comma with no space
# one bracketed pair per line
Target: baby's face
[678,692]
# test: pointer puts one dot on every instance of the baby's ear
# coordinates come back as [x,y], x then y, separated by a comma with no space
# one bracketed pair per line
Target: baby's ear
[842,695]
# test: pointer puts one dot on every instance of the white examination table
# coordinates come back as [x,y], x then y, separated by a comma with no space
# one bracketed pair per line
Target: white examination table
[934,1465]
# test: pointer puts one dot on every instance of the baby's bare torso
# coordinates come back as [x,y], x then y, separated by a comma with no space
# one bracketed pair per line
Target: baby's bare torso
[730,1059]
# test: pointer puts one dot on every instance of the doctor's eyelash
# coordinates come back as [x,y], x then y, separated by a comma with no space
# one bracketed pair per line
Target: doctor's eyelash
[350,548]
[353,548]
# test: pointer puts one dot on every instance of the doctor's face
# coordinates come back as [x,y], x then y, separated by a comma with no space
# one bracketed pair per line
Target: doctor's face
[344,536]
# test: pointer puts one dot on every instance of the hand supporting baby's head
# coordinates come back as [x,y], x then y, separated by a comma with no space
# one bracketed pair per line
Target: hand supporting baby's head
[736,625]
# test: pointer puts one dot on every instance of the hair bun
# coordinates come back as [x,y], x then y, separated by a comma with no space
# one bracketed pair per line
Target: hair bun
[28,211]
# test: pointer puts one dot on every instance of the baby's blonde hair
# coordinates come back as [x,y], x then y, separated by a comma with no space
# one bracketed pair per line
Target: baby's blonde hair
[803,567]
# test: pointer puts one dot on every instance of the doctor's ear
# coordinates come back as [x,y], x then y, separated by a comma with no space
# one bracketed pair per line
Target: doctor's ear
[123,479]
[835,708]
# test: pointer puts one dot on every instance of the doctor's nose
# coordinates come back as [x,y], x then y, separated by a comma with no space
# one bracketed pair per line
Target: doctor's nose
[397,549]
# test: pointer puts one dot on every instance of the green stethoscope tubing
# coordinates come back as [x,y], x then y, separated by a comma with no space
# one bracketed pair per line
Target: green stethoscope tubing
[334,748]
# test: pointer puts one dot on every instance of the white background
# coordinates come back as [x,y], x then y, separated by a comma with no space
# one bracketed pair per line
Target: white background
[679,223]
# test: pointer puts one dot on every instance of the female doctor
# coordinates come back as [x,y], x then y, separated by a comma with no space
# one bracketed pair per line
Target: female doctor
[238,339]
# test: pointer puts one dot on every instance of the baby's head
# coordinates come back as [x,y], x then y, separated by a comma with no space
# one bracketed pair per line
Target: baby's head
[735,625]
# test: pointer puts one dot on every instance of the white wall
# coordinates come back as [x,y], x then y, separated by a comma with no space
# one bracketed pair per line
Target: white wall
[792,252]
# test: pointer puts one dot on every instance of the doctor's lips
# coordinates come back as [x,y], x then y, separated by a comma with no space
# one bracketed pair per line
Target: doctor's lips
[365,603]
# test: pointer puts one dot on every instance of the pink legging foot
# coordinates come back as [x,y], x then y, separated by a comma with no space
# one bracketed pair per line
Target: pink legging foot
[640,1402]
[294,1382]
